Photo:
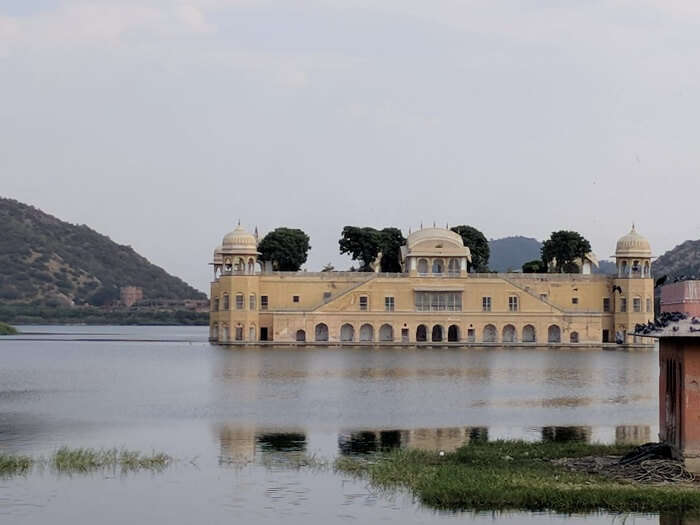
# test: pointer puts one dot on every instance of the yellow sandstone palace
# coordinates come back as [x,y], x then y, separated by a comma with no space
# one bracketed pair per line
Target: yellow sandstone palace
[433,301]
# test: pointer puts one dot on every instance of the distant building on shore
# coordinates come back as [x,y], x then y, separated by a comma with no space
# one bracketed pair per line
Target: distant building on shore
[434,299]
[683,296]
[128,295]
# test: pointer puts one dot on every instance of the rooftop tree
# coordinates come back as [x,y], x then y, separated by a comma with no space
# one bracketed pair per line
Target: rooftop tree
[563,249]
[478,246]
[364,244]
[286,248]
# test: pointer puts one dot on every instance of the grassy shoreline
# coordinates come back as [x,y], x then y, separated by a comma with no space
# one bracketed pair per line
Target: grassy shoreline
[513,475]
[6,329]
[84,460]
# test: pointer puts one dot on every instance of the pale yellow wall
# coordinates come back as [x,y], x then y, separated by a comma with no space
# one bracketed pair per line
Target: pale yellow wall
[284,317]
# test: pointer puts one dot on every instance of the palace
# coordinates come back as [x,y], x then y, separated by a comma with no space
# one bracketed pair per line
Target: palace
[434,300]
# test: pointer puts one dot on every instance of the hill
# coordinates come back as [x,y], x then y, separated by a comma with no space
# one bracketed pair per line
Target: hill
[510,253]
[47,261]
[683,261]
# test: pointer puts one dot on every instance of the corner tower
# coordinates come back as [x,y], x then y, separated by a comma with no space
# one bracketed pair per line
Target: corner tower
[633,288]
[235,289]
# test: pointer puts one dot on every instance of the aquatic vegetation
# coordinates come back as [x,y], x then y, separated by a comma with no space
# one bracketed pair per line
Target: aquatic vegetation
[6,329]
[84,460]
[505,475]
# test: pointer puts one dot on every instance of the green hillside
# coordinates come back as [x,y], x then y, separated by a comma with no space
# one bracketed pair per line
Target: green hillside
[48,261]
[510,253]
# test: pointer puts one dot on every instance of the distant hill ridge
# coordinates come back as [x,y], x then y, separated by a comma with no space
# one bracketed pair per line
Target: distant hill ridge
[510,253]
[683,261]
[49,261]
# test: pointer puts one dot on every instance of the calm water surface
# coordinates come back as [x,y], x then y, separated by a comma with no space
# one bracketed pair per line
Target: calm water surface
[234,418]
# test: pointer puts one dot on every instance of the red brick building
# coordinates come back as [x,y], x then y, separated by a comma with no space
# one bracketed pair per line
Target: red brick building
[683,296]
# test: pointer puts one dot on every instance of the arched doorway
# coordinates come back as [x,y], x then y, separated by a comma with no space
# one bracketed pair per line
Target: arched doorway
[366,333]
[347,333]
[489,334]
[529,334]
[437,335]
[554,334]
[509,334]
[573,338]
[321,332]
[301,336]
[421,333]
[438,266]
[453,333]
[252,333]
[214,332]
[386,333]
[422,266]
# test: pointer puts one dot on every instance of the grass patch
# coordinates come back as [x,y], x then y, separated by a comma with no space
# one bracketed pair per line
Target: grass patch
[84,460]
[6,329]
[12,465]
[513,475]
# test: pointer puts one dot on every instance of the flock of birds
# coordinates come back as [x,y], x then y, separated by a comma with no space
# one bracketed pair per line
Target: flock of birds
[664,320]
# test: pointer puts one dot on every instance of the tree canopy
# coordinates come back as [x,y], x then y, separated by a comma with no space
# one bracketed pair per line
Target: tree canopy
[535,266]
[478,246]
[364,244]
[563,248]
[286,248]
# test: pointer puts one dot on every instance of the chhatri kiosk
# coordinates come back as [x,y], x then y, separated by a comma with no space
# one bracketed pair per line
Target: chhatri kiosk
[434,300]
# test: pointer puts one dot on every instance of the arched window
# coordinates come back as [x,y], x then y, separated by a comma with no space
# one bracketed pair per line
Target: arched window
[239,332]
[386,333]
[366,333]
[489,334]
[554,334]
[301,335]
[321,332]
[251,266]
[437,335]
[453,267]
[509,334]
[438,266]
[421,333]
[227,265]
[252,303]
[226,302]
[347,333]
[240,302]
[647,271]
[214,331]
[251,333]
[453,333]
[529,335]
[422,266]
[623,269]
[226,336]
[573,338]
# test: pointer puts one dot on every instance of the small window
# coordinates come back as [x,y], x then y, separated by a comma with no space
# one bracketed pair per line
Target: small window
[364,302]
[263,302]
[543,296]
[574,300]
[623,304]
[637,304]
[649,305]
[513,303]
[239,302]
[226,305]
[295,299]
[239,333]
[606,304]
[389,304]
[215,306]
[251,304]
[486,304]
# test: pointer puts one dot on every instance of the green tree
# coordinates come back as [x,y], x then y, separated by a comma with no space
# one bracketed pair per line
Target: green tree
[286,248]
[391,240]
[478,246]
[362,244]
[563,248]
[536,266]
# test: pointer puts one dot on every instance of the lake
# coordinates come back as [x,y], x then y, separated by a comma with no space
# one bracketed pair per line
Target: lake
[233,418]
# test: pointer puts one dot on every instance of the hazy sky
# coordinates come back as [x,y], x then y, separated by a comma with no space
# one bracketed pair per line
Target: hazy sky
[162,123]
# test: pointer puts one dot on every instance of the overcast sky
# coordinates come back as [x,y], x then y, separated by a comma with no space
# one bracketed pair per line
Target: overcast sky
[162,123]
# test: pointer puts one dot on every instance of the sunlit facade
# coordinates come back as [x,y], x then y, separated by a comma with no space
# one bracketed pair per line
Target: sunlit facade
[434,300]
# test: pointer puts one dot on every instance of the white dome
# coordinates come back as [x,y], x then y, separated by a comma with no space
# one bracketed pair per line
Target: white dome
[633,245]
[437,235]
[239,241]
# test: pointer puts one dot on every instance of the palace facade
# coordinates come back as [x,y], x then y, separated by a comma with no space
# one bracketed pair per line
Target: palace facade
[434,300]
